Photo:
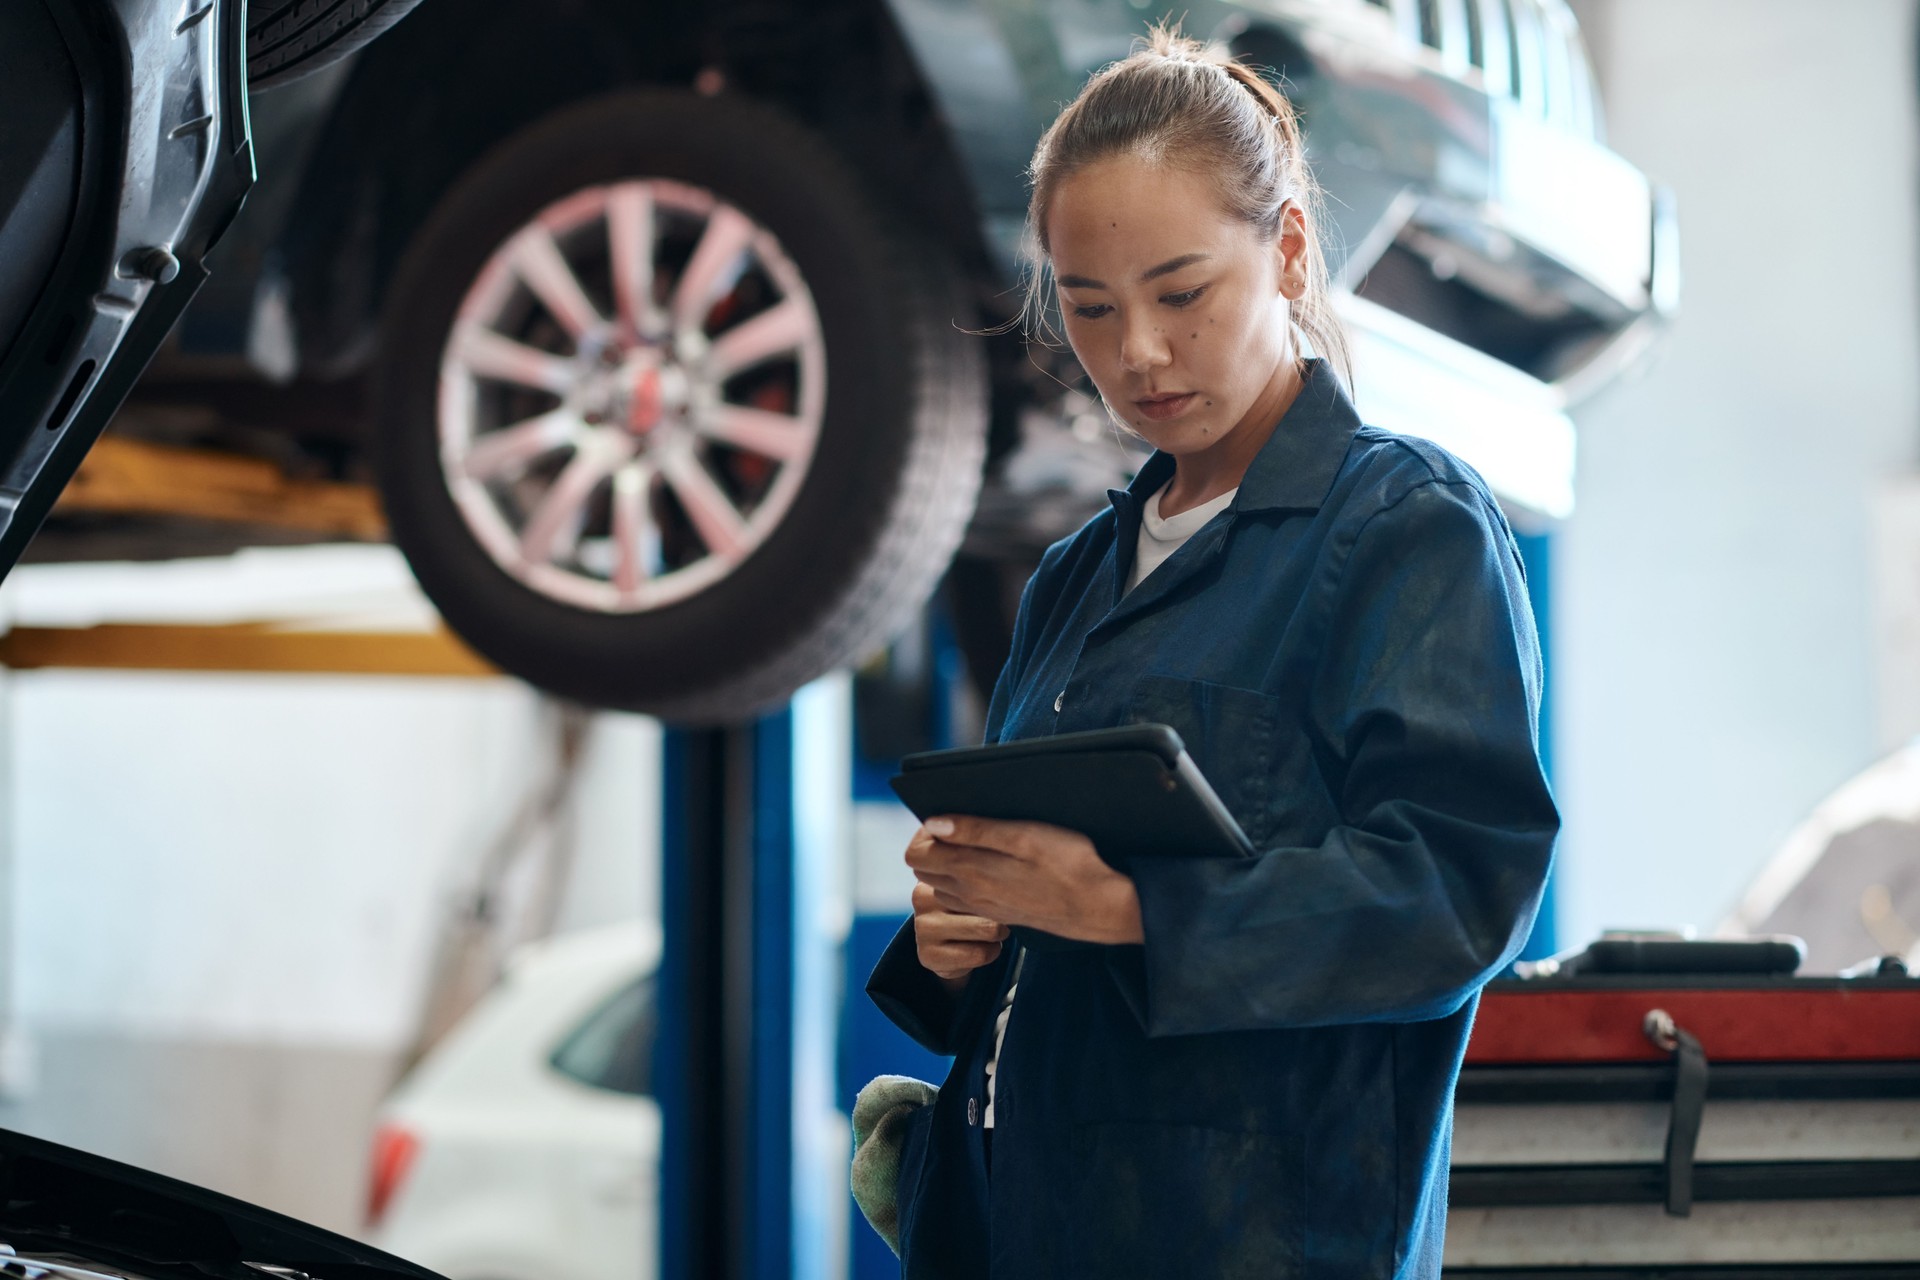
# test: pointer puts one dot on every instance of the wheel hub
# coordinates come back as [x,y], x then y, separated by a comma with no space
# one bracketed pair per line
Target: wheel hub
[644,401]
[687,410]
[644,395]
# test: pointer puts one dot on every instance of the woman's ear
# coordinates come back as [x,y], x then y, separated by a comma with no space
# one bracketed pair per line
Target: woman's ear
[1291,247]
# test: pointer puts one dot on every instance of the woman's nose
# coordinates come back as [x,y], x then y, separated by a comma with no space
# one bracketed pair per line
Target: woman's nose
[1143,347]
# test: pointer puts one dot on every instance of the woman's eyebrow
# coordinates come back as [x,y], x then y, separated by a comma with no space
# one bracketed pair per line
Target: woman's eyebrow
[1168,267]
[1171,265]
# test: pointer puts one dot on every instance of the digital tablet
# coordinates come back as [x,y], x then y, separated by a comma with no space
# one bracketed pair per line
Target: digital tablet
[1132,790]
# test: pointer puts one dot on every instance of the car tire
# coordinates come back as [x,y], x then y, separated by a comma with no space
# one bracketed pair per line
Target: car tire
[898,441]
[288,39]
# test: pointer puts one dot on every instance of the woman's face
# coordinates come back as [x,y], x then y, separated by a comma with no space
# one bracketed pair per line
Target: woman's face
[1176,308]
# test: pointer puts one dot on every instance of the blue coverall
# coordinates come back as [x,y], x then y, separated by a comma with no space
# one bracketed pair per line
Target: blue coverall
[1264,1088]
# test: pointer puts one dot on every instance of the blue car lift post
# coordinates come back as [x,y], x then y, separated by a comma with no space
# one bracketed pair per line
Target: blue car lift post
[747,983]
[703,1051]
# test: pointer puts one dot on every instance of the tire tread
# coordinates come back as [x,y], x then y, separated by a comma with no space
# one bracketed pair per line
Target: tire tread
[289,39]
[907,526]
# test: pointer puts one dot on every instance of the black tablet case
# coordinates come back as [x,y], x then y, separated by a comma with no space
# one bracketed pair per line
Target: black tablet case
[1132,790]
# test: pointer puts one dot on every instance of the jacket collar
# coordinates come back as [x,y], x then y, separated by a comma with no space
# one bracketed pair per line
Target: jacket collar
[1294,469]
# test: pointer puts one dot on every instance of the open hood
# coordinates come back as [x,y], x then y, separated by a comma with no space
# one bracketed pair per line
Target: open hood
[67,1215]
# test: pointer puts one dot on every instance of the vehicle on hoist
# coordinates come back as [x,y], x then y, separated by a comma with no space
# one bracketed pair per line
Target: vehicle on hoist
[661,324]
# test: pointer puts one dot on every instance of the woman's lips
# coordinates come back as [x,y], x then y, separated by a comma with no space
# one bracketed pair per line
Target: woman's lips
[1163,407]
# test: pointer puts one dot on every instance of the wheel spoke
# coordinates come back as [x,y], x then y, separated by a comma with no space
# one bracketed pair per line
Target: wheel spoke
[539,262]
[771,435]
[634,537]
[714,516]
[721,244]
[779,328]
[579,399]
[554,526]
[487,354]
[510,449]
[630,241]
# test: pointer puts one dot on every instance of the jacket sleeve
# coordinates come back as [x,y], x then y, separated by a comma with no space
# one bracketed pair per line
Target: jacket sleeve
[916,1001]
[911,997]
[1424,710]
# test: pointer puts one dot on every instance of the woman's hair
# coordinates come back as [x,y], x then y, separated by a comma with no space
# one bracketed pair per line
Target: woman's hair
[1176,101]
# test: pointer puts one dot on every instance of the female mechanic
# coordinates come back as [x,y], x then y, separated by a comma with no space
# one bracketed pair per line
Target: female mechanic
[1246,1068]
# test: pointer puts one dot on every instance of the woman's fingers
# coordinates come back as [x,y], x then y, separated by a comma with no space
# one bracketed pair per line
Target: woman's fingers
[950,899]
[1025,840]
[968,890]
[946,895]
[952,943]
[931,919]
[1028,873]
[961,927]
[942,855]
[969,865]
[962,876]
[957,926]
[926,895]
[957,959]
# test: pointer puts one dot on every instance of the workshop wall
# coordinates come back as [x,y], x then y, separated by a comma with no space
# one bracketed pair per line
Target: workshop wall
[1714,592]
[227,892]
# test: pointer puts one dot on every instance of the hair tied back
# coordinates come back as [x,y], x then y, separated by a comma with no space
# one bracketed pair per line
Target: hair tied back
[1175,100]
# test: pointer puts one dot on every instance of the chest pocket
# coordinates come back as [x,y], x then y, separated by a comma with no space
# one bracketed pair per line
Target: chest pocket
[1232,734]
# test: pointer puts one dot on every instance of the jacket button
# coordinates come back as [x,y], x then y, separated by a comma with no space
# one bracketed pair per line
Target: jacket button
[1058,700]
[973,1111]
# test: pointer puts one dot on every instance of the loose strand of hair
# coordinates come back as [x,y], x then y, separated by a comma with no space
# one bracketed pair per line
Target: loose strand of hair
[1161,56]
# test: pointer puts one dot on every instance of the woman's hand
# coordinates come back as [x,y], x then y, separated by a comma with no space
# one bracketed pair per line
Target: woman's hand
[952,944]
[1024,873]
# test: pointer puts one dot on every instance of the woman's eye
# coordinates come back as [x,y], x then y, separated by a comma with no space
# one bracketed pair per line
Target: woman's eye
[1182,299]
[1093,312]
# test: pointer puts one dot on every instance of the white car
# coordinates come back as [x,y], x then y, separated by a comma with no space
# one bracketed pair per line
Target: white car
[526,1146]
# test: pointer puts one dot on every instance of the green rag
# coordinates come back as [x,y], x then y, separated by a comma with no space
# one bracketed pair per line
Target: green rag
[879,1127]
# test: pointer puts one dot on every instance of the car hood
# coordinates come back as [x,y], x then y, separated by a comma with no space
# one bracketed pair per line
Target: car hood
[67,1215]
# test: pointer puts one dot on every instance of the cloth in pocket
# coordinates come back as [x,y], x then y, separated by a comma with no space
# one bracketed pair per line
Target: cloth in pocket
[890,1121]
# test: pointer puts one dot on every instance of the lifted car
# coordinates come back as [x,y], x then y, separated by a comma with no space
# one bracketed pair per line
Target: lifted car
[661,325]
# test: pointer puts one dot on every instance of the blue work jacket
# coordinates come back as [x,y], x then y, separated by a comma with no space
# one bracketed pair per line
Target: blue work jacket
[1264,1088]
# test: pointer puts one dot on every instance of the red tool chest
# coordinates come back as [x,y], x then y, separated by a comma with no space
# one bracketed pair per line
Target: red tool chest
[1680,1124]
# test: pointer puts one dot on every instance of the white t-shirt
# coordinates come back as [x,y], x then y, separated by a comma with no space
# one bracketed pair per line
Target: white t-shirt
[1160,537]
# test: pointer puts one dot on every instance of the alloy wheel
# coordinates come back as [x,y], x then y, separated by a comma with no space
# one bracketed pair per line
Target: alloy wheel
[631,395]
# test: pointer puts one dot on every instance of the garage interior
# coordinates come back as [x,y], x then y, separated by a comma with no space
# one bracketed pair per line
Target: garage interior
[520,929]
